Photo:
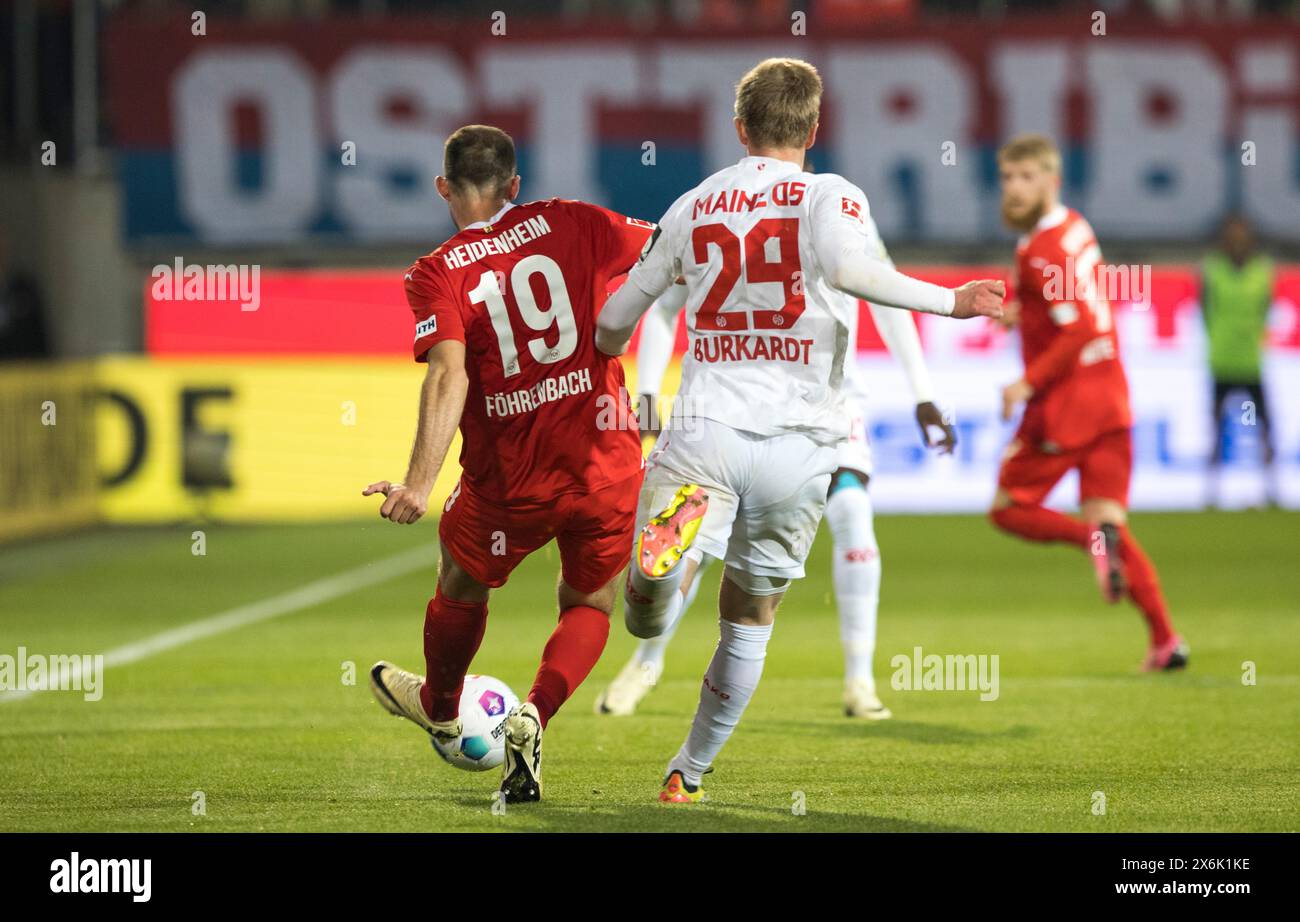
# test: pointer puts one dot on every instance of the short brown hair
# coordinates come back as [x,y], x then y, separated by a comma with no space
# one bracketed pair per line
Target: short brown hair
[778,102]
[1037,147]
[479,157]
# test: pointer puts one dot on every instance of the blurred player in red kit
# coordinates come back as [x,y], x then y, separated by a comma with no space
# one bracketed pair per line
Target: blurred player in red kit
[505,317]
[1075,393]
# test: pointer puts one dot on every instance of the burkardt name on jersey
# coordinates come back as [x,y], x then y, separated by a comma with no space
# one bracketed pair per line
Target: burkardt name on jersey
[746,347]
[506,242]
[547,390]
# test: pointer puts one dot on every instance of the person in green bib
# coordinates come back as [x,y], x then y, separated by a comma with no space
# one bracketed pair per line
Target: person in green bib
[1236,292]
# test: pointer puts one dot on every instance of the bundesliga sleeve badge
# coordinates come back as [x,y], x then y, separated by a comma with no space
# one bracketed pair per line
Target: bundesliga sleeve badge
[649,244]
[851,208]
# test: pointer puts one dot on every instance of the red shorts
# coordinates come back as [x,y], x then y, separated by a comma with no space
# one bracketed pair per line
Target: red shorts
[1105,465]
[593,532]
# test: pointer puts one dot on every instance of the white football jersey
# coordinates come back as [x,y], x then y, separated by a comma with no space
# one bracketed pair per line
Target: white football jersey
[855,389]
[769,338]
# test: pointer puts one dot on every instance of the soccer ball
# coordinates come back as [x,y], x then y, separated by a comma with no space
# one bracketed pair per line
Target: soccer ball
[484,704]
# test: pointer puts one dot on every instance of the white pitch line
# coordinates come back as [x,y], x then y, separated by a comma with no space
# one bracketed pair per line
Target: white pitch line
[314,593]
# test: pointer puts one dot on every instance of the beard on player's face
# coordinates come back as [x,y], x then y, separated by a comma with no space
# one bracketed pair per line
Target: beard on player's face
[1023,211]
[1028,192]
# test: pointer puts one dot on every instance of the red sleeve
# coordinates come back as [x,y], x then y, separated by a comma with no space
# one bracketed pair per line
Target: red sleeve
[1074,321]
[620,239]
[437,316]
[1062,354]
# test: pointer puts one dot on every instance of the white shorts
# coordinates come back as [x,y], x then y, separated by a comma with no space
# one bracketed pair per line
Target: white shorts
[766,497]
[855,454]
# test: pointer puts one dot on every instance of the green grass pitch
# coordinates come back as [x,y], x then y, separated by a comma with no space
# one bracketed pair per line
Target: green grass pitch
[260,720]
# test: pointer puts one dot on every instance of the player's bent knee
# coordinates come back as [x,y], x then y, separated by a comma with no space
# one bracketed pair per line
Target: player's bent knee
[1001,500]
[457,584]
[1103,511]
[755,585]
[601,600]
[747,598]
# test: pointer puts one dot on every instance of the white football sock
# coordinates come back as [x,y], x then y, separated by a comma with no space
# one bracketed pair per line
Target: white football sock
[729,683]
[857,577]
[652,650]
[652,605]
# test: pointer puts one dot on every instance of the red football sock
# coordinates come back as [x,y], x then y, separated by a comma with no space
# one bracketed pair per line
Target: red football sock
[1144,587]
[452,633]
[1038,523]
[574,647]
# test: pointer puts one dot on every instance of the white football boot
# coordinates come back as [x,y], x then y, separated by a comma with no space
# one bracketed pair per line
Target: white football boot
[633,683]
[521,775]
[860,700]
[398,692]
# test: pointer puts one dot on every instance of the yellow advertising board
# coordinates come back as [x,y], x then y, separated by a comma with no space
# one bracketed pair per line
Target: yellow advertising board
[131,439]
[253,440]
[47,448]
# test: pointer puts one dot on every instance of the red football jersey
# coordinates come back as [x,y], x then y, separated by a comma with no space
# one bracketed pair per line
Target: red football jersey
[1067,336]
[546,413]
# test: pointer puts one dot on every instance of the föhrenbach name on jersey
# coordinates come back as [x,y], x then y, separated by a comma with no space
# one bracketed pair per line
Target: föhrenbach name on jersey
[509,403]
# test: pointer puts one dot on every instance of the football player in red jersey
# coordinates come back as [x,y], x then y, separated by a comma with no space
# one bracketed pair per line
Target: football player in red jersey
[505,317]
[1075,394]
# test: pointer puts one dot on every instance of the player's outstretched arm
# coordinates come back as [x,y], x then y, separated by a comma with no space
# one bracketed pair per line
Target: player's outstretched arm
[870,279]
[853,270]
[442,400]
[854,261]
[899,335]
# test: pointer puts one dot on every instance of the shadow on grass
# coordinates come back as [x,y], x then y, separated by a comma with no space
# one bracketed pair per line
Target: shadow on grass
[712,816]
[905,730]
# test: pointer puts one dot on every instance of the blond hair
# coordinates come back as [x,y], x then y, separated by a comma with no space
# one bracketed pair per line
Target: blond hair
[778,102]
[1037,147]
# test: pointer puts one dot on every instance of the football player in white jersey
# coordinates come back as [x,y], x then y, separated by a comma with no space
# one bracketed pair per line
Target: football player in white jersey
[742,471]
[856,569]
[849,514]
